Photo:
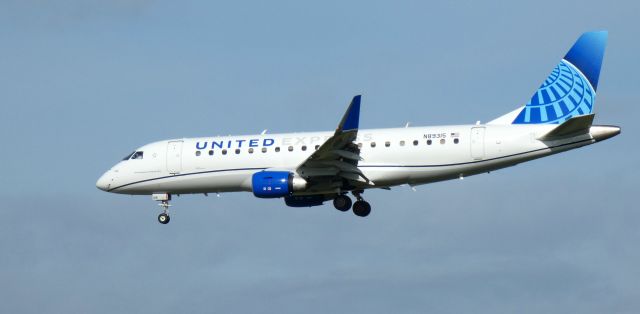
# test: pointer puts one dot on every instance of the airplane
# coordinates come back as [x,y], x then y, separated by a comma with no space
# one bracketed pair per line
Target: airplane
[311,168]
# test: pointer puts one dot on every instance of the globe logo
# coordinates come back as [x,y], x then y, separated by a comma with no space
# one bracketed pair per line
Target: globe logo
[564,94]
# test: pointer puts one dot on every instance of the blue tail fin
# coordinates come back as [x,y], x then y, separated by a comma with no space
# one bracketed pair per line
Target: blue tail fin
[570,89]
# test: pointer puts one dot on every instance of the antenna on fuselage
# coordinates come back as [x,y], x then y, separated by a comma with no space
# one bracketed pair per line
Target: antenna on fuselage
[264,132]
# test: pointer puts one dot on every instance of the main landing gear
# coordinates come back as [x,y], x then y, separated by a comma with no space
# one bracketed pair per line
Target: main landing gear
[164,199]
[361,207]
[342,203]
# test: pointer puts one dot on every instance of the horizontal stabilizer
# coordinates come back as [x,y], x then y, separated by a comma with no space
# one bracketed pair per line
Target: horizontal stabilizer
[575,126]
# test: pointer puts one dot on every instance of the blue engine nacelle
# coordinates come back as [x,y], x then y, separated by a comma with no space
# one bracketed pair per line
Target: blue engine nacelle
[273,184]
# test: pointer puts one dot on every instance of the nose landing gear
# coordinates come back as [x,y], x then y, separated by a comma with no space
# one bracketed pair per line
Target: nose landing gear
[164,218]
[164,199]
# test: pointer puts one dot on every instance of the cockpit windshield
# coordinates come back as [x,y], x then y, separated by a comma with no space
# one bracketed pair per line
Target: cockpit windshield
[134,155]
[128,156]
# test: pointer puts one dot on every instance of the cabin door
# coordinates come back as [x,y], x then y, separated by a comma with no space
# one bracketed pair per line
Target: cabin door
[477,143]
[174,157]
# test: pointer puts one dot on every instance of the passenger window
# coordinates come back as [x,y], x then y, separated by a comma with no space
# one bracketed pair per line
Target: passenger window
[250,150]
[429,142]
[197,153]
[290,148]
[237,151]
[304,148]
[442,141]
[456,141]
[373,144]
[401,143]
[264,149]
[317,146]
[277,149]
[359,145]
[224,151]
[211,152]
[387,144]
[415,143]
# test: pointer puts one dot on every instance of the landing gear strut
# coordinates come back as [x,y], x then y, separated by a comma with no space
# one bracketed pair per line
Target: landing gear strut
[361,207]
[164,199]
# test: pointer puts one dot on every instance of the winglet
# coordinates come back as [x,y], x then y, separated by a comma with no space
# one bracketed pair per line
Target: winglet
[351,117]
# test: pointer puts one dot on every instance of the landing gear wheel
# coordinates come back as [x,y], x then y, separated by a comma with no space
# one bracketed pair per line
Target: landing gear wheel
[361,208]
[164,218]
[342,203]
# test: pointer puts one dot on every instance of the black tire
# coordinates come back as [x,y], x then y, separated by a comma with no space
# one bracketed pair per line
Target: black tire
[342,203]
[361,208]
[164,218]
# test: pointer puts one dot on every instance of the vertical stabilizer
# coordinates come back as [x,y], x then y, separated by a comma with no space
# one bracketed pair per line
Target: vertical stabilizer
[569,90]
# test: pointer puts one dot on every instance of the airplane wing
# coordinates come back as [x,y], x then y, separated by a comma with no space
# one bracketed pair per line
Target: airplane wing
[334,164]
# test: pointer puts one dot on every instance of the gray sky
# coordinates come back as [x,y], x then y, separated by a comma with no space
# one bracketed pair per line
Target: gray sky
[82,83]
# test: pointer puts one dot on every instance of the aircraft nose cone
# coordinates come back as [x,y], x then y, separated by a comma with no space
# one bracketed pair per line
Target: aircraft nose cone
[104,182]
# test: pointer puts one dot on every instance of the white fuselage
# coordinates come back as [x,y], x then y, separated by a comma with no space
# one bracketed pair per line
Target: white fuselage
[412,155]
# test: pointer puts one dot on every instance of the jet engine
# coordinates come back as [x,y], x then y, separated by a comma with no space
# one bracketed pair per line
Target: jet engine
[274,184]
